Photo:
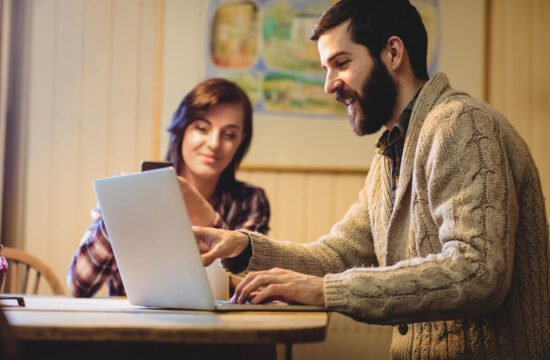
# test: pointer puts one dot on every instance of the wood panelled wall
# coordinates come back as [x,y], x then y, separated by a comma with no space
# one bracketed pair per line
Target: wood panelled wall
[519,73]
[305,202]
[85,111]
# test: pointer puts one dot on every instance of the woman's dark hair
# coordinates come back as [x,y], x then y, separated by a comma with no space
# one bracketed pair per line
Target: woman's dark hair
[373,22]
[195,105]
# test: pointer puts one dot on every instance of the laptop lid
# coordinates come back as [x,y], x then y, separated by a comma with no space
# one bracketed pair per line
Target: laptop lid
[154,245]
[152,240]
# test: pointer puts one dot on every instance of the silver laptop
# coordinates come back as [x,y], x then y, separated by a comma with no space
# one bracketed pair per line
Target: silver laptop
[154,245]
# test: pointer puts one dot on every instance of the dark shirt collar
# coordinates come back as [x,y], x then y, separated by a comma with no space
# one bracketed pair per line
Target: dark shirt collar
[398,131]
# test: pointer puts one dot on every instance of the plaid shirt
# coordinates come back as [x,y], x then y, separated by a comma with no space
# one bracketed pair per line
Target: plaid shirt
[244,207]
[391,145]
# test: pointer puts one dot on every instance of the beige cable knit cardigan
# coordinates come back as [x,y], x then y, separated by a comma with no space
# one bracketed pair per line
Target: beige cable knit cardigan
[462,259]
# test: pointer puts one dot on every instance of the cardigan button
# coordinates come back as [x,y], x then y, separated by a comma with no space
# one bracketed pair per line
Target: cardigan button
[403,328]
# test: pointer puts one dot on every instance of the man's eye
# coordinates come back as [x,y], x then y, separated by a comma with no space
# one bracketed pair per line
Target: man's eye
[342,64]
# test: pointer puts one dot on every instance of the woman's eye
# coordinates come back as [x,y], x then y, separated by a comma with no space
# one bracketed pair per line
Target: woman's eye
[201,128]
[230,135]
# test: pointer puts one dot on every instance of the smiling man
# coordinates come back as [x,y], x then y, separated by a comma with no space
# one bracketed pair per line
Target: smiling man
[448,240]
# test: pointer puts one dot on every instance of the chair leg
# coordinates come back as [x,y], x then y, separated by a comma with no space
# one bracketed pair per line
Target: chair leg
[288,351]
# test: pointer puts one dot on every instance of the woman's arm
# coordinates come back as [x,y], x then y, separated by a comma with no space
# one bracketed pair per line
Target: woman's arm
[94,262]
[248,210]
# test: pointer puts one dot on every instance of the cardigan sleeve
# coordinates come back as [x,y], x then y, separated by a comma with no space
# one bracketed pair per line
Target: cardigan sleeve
[348,244]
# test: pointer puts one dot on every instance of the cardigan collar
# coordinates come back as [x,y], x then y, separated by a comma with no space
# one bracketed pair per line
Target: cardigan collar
[430,95]
[427,99]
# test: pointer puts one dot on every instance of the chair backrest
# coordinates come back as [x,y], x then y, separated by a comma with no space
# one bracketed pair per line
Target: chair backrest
[25,269]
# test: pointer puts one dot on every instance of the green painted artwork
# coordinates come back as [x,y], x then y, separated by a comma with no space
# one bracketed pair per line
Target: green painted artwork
[264,46]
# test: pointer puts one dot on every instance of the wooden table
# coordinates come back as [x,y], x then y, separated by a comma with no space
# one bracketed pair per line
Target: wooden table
[104,328]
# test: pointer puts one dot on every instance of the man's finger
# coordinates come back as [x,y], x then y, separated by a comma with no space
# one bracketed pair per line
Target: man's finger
[199,231]
[256,282]
[245,281]
[267,293]
[208,258]
[203,248]
[238,295]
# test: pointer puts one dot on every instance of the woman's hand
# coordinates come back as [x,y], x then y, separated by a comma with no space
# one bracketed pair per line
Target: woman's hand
[200,211]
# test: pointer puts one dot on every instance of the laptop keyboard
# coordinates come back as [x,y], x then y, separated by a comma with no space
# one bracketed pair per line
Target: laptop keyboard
[228,302]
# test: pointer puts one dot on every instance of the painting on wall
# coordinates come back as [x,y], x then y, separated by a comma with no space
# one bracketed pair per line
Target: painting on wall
[264,46]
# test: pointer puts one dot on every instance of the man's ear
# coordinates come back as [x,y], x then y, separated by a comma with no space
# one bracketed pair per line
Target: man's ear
[395,52]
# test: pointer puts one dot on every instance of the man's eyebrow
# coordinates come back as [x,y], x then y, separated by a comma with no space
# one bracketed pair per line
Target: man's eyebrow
[335,55]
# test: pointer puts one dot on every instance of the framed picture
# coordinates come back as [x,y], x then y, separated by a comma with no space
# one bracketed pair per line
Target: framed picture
[264,46]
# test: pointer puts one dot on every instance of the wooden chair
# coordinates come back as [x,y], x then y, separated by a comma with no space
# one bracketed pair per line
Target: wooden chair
[21,268]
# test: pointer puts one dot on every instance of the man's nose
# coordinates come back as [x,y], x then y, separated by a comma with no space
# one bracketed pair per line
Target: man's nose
[332,83]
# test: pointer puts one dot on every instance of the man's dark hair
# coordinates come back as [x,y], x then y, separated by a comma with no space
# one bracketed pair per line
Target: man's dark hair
[195,105]
[373,22]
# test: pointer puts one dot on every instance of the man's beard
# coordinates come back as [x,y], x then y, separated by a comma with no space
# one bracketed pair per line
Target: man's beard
[377,103]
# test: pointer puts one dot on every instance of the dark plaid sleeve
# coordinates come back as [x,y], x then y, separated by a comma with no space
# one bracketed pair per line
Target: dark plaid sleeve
[245,208]
[94,263]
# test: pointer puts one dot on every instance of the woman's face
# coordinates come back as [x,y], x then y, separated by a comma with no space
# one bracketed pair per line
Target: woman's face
[209,143]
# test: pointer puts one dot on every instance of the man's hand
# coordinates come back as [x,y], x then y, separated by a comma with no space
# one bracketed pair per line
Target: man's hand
[280,284]
[219,244]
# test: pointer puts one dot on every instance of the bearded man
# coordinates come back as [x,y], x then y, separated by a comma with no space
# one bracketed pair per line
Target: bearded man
[448,240]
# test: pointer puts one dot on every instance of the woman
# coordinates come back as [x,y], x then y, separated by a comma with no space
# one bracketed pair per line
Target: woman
[210,133]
